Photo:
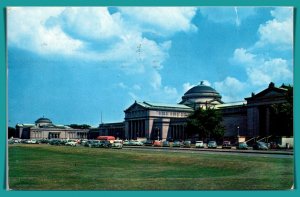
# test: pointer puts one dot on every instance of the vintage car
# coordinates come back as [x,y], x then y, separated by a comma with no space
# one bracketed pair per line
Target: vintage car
[71,143]
[117,144]
[199,144]
[226,144]
[212,144]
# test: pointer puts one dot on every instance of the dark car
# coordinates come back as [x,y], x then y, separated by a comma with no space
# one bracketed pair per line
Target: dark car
[87,143]
[148,143]
[260,146]
[187,144]
[212,144]
[166,144]
[242,145]
[95,144]
[226,144]
[106,144]
[177,144]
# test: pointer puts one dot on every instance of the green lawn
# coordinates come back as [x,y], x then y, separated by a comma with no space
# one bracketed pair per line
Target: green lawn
[45,167]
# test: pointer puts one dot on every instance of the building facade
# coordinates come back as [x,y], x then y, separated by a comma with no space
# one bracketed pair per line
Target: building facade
[45,129]
[253,117]
[249,118]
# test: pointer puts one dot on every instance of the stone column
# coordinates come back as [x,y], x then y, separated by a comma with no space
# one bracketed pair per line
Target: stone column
[267,121]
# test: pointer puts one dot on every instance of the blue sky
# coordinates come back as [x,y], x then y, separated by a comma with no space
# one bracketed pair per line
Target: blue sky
[72,64]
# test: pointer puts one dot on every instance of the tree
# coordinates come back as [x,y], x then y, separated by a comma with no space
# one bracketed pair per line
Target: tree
[205,123]
[282,114]
[11,132]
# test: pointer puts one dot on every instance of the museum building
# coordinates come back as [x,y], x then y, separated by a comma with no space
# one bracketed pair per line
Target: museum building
[249,118]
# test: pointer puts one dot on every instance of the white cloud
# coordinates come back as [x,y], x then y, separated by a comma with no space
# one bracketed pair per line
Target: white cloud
[277,32]
[161,20]
[83,33]
[27,30]
[231,89]
[275,70]
[170,90]
[231,15]
[91,22]
[242,56]
[262,70]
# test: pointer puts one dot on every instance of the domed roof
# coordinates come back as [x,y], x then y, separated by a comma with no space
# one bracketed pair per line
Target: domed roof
[201,94]
[43,120]
[201,88]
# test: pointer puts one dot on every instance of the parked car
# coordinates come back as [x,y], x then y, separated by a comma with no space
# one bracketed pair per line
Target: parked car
[187,144]
[95,144]
[32,141]
[199,144]
[212,144]
[126,143]
[135,143]
[55,141]
[87,143]
[117,144]
[148,143]
[71,143]
[242,145]
[177,144]
[157,143]
[166,144]
[260,146]
[106,144]
[226,144]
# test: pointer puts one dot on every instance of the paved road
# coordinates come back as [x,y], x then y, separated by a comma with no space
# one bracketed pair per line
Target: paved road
[247,153]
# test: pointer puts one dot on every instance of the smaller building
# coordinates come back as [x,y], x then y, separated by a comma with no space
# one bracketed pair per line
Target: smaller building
[116,129]
[45,129]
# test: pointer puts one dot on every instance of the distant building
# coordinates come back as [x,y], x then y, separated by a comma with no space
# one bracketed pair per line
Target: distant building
[45,129]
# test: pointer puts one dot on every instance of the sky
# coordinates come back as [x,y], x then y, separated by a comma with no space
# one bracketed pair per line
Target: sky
[78,65]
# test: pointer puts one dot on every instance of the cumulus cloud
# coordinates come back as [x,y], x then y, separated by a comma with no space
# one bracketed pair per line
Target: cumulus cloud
[91,22]
[242,56]
[27,30]
[161,20]
[276,70]
[277,32]
[94,34]
[231,89]
[262,70]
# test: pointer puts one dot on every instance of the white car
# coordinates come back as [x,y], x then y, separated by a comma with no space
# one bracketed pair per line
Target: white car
[199,144]
[32,141]
[117,144]
[71,143]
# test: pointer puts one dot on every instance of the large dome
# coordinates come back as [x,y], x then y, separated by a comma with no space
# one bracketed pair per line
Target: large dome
[201,89]
[201,95]
[43,120]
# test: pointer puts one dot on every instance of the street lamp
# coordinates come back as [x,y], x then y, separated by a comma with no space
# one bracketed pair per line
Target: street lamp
[238,133]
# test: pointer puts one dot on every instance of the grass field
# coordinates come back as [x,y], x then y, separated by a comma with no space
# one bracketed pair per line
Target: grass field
[45,167]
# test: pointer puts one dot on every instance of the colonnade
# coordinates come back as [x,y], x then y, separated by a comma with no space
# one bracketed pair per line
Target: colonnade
[177,131]
[136,128]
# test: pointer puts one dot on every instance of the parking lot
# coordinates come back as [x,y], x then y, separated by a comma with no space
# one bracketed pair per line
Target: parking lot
[160,146]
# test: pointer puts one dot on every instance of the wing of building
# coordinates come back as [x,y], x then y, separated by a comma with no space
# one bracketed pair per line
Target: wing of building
[45,129]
